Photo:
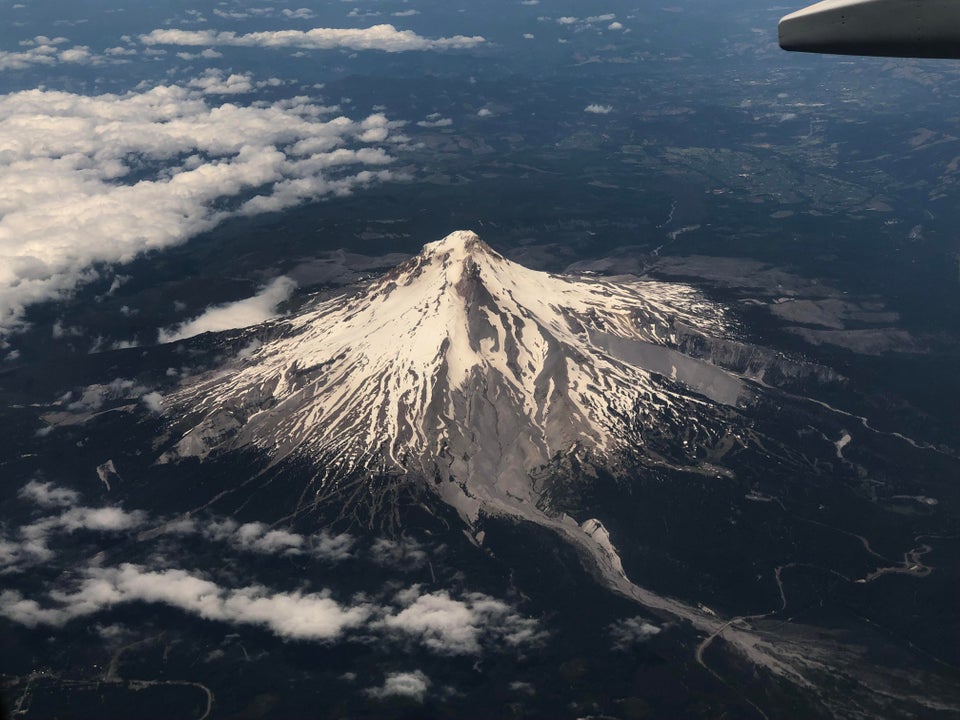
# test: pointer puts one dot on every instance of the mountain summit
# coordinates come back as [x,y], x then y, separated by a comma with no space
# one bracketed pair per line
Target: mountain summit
[467,369]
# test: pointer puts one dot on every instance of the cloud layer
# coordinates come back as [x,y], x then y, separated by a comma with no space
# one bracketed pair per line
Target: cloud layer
[378,37]
[598,109]
[46,494]
[413,685]
[30,544]
[459,627]
[90,180]
[308,616]
[436,621]
[257,309]
[46,51]
[259,538]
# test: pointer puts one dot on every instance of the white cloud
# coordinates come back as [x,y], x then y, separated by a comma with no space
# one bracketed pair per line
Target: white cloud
[223,529]
[632,631]
[437,621]
[216,82]
[43,50]
[206,54]
[405,13]
[59,330]
[459,627]
[438,123]
[413,685]
[119,51]
[69,199]
[441,623]
[402,554]
[598,109]
[236,14]
[31,546]
[583,23]
[253,310]
[105,519]
[114,634]
[78,54]
[484,112]
[295,615]
[183,525]
[523,687]
[93,397]
[46,494]
[615,26]
[258,537]
[153,401]
[332,548]
[378,37]
[298,14]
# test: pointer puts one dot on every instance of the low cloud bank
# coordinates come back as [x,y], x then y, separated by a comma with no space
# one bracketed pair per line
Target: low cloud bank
[452,626]
[436,621]
[46,494]
[378,37]
[29,544]
[91,180]
[253,310]
[46,51]
[260,538]
[466,624]
[309,616]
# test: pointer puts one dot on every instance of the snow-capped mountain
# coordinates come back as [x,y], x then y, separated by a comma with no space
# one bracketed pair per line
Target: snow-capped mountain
[485,383]
[462,367]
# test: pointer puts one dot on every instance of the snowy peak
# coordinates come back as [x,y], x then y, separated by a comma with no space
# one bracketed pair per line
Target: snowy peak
[460,365]
[457,248]
[459,263]
[459,254]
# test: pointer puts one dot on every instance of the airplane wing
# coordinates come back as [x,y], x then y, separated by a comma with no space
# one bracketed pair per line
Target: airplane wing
[889,28]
